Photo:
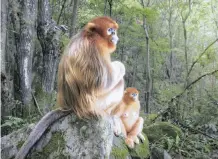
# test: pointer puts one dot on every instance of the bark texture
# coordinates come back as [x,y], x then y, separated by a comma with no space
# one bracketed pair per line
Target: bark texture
[74,16]
[49,36]
[147,69]
[4,19]
[24,18]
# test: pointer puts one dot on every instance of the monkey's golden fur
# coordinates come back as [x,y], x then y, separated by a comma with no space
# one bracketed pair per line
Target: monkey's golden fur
[86,76]
[88,82]
[128,110]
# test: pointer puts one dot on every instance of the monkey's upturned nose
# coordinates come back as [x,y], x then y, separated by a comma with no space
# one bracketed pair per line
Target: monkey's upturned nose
[115,39]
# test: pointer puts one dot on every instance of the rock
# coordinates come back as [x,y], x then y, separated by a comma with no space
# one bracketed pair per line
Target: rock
[121,151]
[69,137]
[158,130]
[159,153]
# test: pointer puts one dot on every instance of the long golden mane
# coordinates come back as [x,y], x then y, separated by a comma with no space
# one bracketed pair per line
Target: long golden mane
[80,75]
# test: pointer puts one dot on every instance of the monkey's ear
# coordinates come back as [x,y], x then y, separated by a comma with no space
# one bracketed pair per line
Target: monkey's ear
[125,92]
[90,27]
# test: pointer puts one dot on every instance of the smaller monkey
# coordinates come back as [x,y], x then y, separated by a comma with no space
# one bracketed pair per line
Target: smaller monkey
[128,111]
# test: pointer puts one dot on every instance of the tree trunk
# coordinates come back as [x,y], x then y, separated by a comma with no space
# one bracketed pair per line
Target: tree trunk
[24,26]
[135,69]
[4,20]
[49,36]
[74,16]
[4,81]
[184,19]
[171,40]
[147,71]
[185,44]
[110,2]
[62,8]
[105,7]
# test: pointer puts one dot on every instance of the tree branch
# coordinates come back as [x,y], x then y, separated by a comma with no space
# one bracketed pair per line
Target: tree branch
[182,125]
[200,56]
[62,8]
[193,82]
[36,104]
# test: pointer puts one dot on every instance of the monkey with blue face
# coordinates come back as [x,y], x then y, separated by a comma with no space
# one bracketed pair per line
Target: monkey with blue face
[128,111]
[88,81]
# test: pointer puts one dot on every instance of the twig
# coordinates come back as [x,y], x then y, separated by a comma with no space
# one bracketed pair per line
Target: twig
[193,82]
[186,88]
[194,130]
[200,56]
[62,8]
[36,104]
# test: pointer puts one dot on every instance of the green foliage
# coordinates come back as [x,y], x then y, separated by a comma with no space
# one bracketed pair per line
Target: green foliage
[160,45]
[13,123]
[209,57]
[168,91]
[151,14]
[20,144]
[65,40]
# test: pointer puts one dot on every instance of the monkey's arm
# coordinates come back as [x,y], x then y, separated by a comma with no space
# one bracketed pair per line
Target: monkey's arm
[118,110]
[117,72]
[135,131]
[39,130]
[137,128]
[117,82]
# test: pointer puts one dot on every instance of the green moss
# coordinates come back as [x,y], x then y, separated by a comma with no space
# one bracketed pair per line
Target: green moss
[141,150]
[158,130]
[19,144]
[65,40]
[44,98]
[152,116]
[55,144]
[120,153]
[119,149]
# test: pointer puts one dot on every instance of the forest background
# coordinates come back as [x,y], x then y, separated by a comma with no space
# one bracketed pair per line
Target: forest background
[169,48]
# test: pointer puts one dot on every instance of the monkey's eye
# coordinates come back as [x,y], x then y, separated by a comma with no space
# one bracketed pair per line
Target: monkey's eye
[111,31]
[134,94]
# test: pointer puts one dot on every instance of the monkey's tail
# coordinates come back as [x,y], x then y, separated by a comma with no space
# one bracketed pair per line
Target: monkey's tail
[39,130]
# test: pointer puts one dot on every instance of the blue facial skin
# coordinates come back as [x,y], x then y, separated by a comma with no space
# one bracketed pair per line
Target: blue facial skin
[114,39]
